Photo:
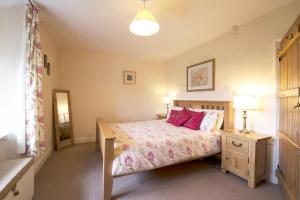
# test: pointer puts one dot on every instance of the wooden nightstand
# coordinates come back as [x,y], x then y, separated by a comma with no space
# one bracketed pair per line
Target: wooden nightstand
[245,155]
[161,116]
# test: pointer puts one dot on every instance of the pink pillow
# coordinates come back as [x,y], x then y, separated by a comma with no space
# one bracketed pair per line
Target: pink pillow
[178,118]
[195,120]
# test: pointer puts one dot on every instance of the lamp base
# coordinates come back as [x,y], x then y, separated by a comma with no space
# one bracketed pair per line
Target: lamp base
[244,131]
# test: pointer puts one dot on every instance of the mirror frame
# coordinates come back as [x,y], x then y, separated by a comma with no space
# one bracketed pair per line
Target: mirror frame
[59,144]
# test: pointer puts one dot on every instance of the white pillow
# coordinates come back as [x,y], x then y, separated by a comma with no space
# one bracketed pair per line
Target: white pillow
[209,121]
[212,120]
[173,108]
[220,121]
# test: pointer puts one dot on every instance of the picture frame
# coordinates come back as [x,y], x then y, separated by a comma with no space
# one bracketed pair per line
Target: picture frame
[129,77]
[201,76]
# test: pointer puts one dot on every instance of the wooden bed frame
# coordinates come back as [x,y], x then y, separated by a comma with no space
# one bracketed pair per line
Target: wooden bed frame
[105,138]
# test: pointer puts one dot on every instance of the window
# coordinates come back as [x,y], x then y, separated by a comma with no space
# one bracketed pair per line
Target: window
[12,74]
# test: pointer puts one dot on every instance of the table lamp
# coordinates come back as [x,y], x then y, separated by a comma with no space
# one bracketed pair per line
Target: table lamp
[245,103]
[167,101]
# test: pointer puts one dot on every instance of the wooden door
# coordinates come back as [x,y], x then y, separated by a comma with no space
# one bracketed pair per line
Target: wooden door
[288,81]
[288,167]
[289,114]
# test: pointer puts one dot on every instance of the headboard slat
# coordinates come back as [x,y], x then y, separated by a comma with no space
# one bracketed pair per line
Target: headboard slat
[211,105]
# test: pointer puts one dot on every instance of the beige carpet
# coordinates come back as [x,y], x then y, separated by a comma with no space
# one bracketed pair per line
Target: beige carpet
[75,173]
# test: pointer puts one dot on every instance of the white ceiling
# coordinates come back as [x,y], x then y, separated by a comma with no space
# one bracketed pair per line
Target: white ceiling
[184,24]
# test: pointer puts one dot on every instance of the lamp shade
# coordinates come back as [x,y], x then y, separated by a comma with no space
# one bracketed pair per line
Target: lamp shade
[144,24]
[167,100]
[246,102]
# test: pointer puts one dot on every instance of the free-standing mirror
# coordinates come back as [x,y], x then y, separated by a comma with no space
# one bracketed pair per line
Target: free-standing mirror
[62,118]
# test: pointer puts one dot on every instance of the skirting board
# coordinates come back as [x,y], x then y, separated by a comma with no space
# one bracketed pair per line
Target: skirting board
[84,140]
[38,163]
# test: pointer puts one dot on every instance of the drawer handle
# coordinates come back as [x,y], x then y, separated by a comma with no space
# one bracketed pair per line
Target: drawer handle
[15,191]
[236,145]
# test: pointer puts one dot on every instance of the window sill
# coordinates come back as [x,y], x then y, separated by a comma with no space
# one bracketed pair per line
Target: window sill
[4,138]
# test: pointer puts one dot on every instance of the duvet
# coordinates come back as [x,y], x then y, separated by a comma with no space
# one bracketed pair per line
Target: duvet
[145,145]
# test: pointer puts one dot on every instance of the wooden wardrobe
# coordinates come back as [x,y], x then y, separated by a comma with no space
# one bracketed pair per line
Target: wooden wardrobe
[288,171]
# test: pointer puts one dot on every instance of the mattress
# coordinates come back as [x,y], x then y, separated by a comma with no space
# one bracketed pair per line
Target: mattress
[145,145]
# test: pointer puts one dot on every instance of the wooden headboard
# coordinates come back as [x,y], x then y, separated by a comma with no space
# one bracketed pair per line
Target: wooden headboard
[211,105]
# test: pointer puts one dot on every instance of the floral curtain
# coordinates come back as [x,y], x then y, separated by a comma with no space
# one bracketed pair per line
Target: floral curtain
[34,112]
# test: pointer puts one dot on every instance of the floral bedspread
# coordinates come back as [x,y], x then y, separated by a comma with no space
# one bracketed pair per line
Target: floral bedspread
[145,145]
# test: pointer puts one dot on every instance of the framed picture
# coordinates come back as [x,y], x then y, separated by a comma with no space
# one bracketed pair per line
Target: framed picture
[129,77]
[201,76]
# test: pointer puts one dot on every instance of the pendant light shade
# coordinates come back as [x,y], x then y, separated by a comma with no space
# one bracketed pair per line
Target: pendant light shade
[144,24]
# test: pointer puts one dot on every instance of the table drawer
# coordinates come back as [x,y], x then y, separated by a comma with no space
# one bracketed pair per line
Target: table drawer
[237,145]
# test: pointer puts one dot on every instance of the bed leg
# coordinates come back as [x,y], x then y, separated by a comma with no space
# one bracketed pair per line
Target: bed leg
[107,184]
[107,179]
[224,171]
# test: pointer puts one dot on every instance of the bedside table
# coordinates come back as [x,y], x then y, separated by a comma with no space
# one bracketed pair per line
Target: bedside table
[161,116]
[245,155]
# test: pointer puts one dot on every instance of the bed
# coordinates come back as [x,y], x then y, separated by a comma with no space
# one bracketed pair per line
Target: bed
[133,147]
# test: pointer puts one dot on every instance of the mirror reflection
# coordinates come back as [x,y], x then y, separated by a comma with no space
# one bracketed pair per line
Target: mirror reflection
[63,116]
[63,123]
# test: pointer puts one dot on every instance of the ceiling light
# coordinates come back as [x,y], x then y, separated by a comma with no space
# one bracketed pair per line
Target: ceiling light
[144,23]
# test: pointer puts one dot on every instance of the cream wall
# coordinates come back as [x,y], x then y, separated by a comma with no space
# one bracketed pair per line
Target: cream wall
[95,81]
[49,83]
[244,65]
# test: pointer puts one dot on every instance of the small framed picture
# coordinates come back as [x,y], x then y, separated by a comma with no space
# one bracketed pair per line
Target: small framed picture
[201,76]
[129,77]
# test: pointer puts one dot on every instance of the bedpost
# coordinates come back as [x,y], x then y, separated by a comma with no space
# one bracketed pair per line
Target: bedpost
[105,139]
[228,116]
